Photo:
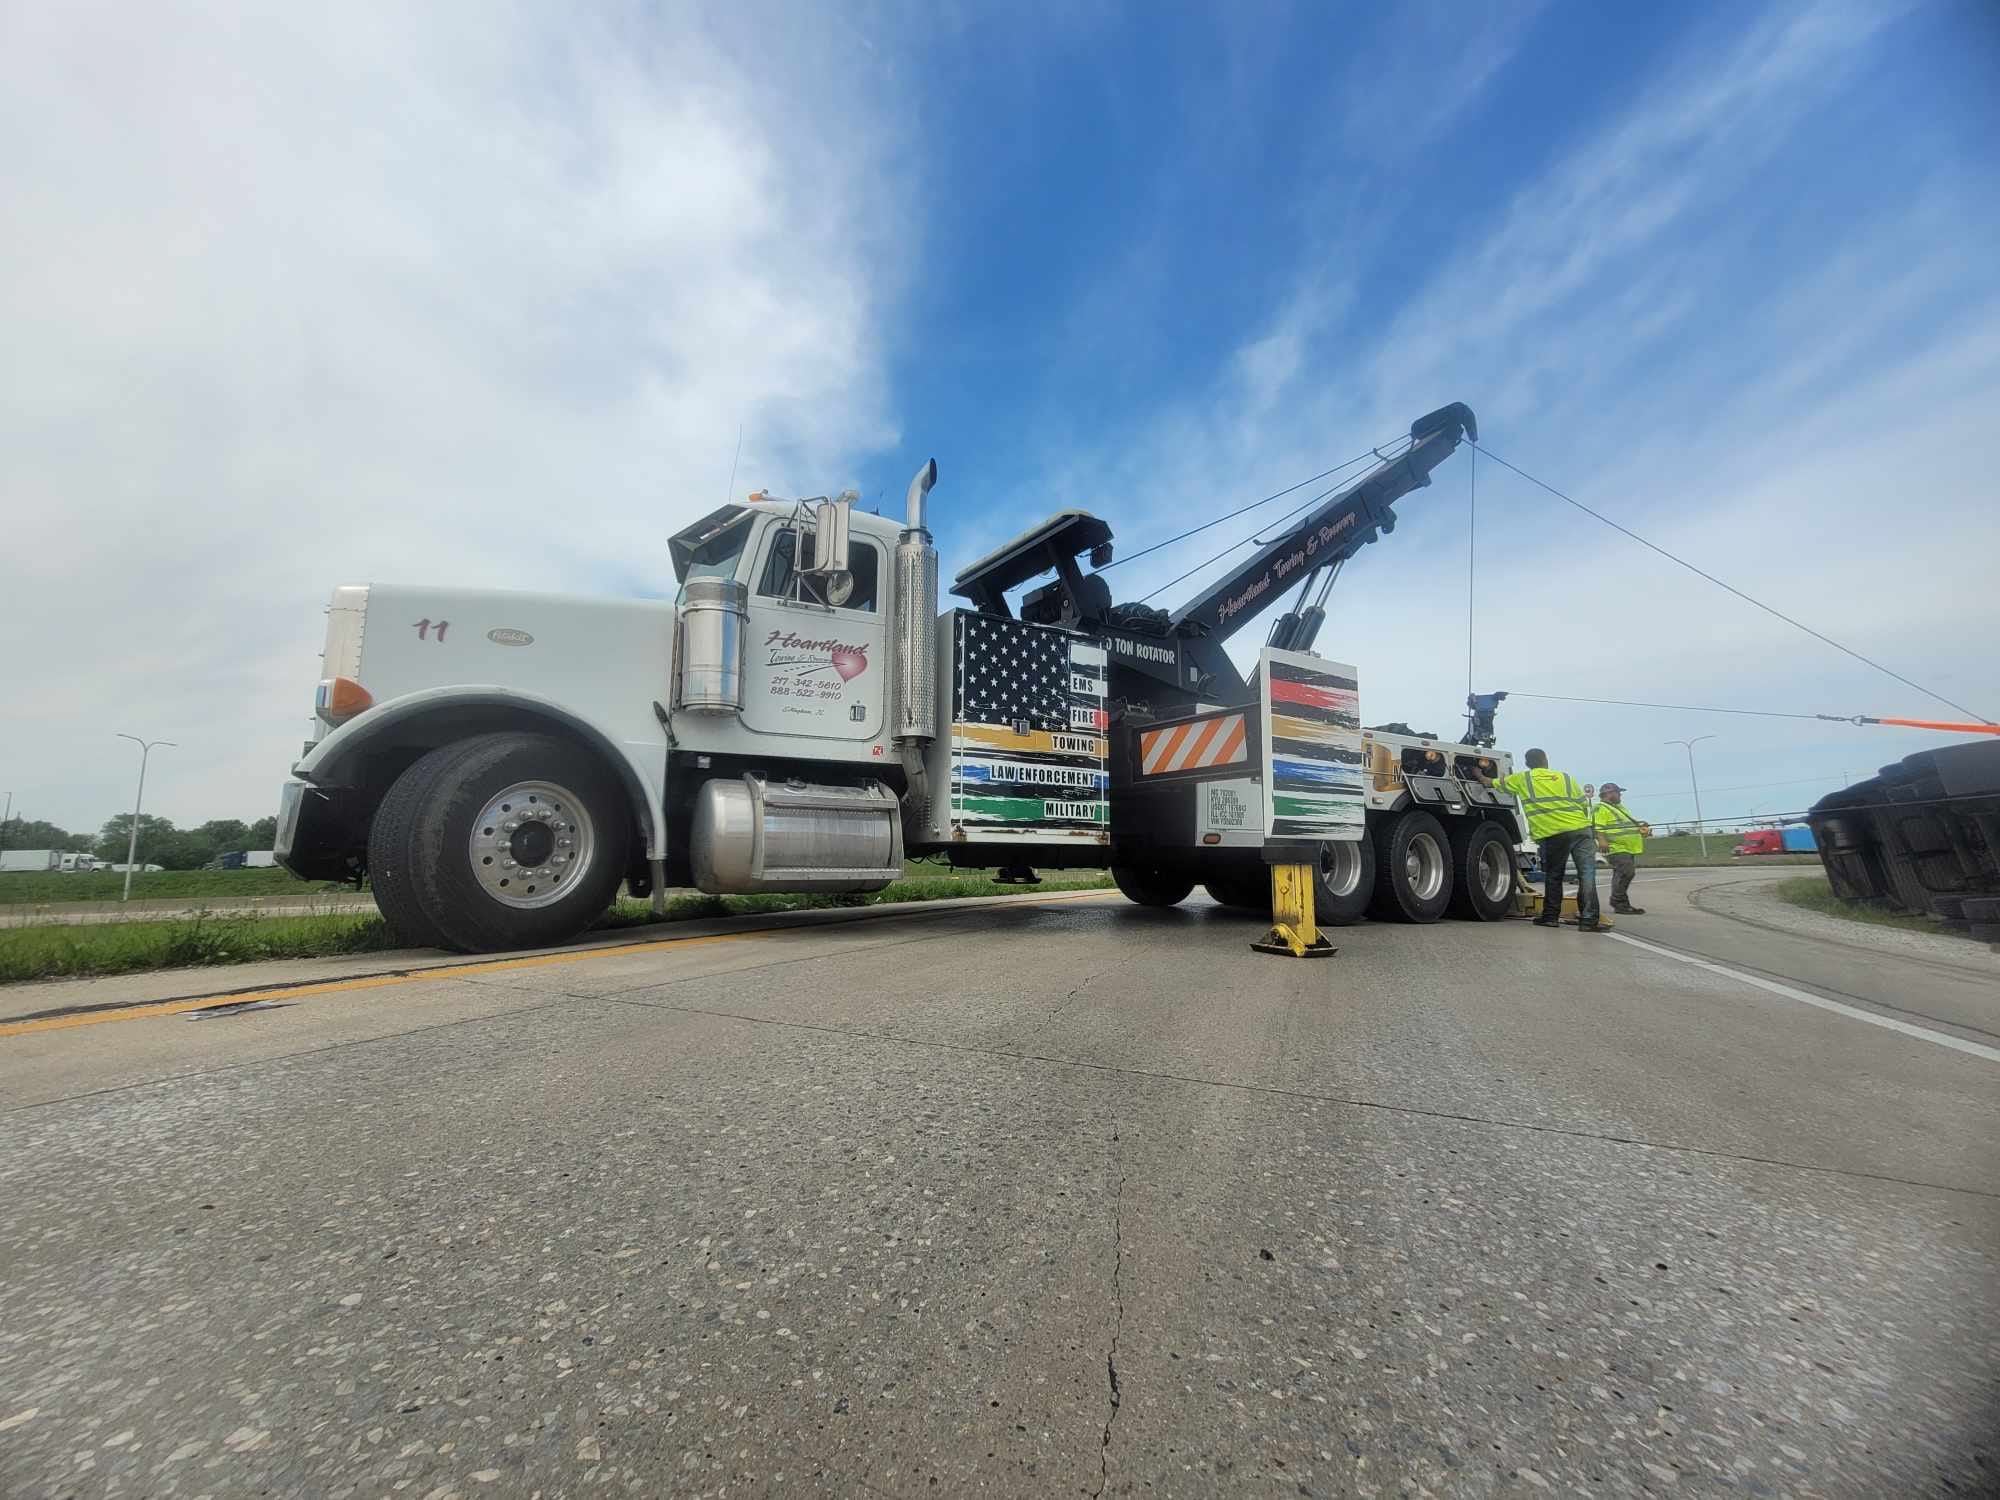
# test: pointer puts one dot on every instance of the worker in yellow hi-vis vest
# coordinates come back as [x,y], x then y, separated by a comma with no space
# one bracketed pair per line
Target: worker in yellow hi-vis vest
[1558,816]
[1621,838]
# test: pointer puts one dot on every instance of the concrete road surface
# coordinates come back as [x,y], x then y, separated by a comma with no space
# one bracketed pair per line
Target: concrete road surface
[1052,1197]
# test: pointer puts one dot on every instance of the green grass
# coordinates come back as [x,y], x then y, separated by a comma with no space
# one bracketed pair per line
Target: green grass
[200,885]
[159,885]
[192,942]
[70,951]
[1812,893]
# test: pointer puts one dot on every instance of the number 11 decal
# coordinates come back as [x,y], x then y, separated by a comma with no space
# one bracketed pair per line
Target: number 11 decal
[424,628]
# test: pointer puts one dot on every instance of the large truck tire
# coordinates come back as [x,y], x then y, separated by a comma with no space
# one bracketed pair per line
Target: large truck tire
[1412,869]
[1242,892]
[1149,885]
[1482,867]
[1344,882]
[513,840]
[392,856]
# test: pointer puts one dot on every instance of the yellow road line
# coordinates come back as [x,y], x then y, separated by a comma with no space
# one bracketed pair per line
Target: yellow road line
[143,1012]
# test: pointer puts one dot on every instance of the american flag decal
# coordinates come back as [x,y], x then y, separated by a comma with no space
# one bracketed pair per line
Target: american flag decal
[1028,725]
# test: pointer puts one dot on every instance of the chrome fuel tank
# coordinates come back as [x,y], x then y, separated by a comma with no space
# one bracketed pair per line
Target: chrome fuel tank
[755,834]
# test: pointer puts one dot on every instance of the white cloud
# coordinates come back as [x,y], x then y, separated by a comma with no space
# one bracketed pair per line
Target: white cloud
[470,293]
[1814,427]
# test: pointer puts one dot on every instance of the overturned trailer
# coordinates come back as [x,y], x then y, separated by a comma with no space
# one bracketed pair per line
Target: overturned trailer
[1920,836]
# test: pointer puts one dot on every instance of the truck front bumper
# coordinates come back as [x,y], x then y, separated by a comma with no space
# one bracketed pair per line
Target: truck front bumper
[322,832]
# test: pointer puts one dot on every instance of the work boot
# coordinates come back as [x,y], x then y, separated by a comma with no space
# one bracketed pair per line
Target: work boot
[1630,911]
[1548,921]
[1590,926]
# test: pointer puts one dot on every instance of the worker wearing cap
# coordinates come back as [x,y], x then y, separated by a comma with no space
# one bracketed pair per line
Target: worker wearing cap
[1558,816]
[1621,838]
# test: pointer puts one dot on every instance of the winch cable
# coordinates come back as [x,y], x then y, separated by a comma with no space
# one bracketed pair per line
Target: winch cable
[1731,588]
[1982,727]
[1291,515]
[1245,510]
[1216,557]
[1471,555]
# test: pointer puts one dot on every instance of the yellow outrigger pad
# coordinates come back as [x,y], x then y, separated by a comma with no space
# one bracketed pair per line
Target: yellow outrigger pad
[1293,931]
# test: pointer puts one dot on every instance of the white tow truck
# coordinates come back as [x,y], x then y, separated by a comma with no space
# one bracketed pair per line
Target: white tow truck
[804,718]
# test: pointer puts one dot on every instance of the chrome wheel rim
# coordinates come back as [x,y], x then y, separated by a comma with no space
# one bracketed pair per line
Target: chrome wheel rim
[530,843]
[1496,871]
[1423,867]
[1340,868]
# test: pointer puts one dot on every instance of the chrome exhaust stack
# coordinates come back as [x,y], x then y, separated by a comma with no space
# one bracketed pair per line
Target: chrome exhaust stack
[914,713]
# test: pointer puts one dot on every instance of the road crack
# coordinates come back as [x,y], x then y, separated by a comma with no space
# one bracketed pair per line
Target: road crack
[1085,983]
[1116,1394]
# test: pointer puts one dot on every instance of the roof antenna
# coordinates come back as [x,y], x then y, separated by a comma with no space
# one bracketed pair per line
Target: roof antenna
[726,494]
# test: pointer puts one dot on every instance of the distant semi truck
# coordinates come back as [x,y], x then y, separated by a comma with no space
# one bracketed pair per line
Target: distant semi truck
[44,862]
[235,859]
[1797,839]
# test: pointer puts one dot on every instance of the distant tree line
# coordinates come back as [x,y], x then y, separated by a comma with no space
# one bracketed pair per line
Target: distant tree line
[160,842]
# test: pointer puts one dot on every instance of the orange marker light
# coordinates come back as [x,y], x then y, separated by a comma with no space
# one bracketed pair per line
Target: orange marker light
[340,699]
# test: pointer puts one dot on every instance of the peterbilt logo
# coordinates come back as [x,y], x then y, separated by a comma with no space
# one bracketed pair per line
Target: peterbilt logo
[507,636]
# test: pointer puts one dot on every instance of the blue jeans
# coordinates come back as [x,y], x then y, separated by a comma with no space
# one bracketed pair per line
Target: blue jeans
[1557,851]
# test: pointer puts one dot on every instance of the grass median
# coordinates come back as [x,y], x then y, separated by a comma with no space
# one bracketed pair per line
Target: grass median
[1812,893]
[76,951]
[18,887]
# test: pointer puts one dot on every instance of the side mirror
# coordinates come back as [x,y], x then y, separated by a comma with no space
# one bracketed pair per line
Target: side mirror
[829,548]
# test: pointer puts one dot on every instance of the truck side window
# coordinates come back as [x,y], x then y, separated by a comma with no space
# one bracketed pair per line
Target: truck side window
[781,581]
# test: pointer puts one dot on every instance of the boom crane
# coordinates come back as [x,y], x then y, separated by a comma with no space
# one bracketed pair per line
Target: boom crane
[1316,547]
[1165,661]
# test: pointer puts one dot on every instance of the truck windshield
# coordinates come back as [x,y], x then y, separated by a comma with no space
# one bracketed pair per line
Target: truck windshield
[712,550]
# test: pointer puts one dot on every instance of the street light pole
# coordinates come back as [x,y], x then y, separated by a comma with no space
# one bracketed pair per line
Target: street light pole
[146,748]
[6,818]
[1701,831]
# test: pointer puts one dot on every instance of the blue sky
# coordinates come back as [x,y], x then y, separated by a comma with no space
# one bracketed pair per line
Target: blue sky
[477,294]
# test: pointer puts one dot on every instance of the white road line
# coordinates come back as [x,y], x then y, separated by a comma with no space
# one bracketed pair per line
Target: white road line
[1943,1039]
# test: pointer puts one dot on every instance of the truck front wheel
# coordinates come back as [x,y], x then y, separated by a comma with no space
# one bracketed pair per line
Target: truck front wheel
[1151,886]
[1412,868]
[506,840]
